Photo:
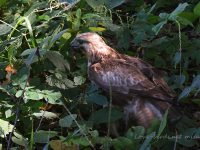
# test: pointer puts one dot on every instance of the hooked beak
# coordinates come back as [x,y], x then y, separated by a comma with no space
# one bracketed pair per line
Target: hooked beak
[74,45]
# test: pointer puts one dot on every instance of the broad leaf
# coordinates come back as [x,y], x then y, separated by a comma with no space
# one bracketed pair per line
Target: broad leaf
[163,123]
[79,80]
[102,115]
[67,120]
[146,145]
[46,114]
[52,97]
[185,93]
[19,139]
[58,60]
[197,9]
[5,128]
[109,3]
[44,136]
[159,26]
[97,99]
[177,11]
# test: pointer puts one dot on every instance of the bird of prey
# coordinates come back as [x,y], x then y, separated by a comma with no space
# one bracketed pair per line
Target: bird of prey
[136,85]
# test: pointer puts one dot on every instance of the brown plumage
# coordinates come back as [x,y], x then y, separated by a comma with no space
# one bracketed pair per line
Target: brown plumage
[136,85]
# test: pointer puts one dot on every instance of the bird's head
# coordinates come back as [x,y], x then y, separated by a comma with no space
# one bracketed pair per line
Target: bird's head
[91,44]
[86,40]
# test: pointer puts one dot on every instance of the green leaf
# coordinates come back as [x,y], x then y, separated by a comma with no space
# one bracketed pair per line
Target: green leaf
[185,93]
[185,21]
[2,3]
[19,139]
[164,16]
[196,82]
[66,35]
[67,120]
[56,37]
[21,76]
[189,16]
[136,132]
[110,4]
[197,9]
[8,113]
[97,29]
[78,13]
[196,101]
[52,97]
[44,136]
[163,123]
[81,141]
[5,128]
[181,7]
[32,58]
[4,29]
[123,143]
[79,80]
[101,116]
[58,60]
[159,26]
[28,25]
[33,95]
[146,145]
[189,137]
[46,114]
[177,58]
[90,16]
[97,99]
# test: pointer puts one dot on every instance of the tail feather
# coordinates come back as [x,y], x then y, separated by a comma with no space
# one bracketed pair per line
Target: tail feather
[144,111]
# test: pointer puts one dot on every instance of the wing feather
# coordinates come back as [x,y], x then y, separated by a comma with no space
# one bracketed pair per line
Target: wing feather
[125,78]
[152,73]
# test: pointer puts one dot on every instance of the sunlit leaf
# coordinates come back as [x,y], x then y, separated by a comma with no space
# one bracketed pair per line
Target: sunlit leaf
[52,97]
[181,7]
[79,80]
[19,139]
[97,29]
[46,114]
[5,128]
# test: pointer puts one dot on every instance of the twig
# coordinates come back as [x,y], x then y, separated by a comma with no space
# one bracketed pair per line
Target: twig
[180,45]
[175,141]
[41,118]
[17,112]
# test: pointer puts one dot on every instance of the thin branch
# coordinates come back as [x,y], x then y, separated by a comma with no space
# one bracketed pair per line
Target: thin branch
[17,112]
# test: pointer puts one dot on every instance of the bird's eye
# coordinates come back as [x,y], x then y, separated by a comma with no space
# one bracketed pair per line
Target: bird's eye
[81,41]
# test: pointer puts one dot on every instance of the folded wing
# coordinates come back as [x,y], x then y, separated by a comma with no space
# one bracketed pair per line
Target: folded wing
[125,77]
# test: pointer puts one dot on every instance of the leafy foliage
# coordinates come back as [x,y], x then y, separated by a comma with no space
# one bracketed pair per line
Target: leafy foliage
[45,97]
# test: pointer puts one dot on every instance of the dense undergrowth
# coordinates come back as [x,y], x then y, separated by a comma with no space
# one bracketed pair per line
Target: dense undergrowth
[46,100]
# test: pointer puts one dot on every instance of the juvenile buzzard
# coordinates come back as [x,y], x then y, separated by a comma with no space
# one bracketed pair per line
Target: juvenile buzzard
[135,84]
